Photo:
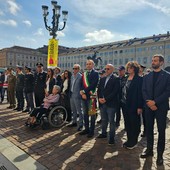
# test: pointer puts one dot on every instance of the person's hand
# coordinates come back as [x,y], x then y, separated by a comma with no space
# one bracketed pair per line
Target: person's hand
[139,111]
[153,108]
[102,100]
[84,96]
[150,103]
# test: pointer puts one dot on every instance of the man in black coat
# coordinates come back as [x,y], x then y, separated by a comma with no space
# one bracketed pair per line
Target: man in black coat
[156,93]
[108,91]
[39,84]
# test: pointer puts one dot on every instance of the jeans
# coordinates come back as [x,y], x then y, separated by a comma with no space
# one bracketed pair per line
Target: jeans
[90,129]
[76,108]
[108,116]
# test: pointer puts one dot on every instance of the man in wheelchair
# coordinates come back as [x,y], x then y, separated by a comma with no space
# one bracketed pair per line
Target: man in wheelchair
[37,112]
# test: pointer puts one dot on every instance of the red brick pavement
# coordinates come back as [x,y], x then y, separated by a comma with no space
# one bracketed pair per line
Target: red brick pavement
[64,148]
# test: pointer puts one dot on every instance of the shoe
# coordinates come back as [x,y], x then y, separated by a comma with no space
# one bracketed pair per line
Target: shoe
[102,136]
[143,135]
[159,161]
[99,121]
[9,107]
[26,110]
[131,146]
[147,153]
[90,135]
[125,144]
[111,142]
[16,108]
[72,125]
[79,128]
[84,132]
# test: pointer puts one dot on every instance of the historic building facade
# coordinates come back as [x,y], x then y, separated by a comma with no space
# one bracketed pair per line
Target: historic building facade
[16,55]
[119,53]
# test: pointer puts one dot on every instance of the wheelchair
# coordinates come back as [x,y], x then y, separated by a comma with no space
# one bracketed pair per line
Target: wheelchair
[56,116]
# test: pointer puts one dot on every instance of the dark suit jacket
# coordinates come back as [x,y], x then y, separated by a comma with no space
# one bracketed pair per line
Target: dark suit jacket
[134,98]
[93,81]
[110,91]
[161,91]
[51,84]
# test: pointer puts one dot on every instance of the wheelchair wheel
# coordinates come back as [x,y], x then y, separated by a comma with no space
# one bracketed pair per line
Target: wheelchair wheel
[57,116]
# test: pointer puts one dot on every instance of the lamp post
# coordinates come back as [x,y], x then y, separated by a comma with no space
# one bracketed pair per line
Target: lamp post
[55,18]
[53,43]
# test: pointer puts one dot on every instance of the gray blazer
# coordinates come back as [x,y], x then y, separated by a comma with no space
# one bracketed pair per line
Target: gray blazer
[77,86]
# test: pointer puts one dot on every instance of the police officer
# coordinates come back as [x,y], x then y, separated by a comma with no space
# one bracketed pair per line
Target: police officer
[40,84]
[29,89]
[19,88]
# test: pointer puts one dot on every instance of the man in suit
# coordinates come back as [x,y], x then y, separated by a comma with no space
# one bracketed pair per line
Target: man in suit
[108,91]
[156,93]
[75,97]
[90,80]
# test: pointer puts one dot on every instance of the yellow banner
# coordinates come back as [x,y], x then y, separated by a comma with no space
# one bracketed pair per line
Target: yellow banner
[52,53]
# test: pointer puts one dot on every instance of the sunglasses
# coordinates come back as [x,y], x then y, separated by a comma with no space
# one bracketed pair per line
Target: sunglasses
[107,68]
[75,68]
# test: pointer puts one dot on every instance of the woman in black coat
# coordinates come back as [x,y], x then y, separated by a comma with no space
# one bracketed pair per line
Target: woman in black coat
[66,92]
[132,104]
[50,82]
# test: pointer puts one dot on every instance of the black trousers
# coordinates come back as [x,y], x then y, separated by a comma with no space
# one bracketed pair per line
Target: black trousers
[38,112]
[39,97]
[20,98]
[132,125]
[160,117]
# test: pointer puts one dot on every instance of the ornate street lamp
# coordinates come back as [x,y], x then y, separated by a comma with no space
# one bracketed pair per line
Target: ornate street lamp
[55,18]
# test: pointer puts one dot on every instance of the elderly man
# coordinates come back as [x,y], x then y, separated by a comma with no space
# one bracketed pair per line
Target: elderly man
[156,93]
[108,91]
[90,80]
[75,97]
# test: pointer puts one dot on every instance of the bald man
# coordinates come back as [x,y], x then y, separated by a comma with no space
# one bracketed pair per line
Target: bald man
[108,91]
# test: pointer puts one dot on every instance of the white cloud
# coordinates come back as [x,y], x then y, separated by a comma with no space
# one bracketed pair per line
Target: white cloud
[39,32]
[104,36]
[161,6]
[9,22]
[1,13]
[60,34]
[13,7]
[115,9]
[28,23]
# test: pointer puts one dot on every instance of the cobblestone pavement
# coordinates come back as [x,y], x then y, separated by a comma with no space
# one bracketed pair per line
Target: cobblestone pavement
[64,148]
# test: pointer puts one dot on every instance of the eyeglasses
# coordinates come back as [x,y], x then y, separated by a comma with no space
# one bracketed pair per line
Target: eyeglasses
[107,68]
[75,68]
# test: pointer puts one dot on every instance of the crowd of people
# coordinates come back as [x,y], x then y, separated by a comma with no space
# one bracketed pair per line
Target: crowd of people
[135,94]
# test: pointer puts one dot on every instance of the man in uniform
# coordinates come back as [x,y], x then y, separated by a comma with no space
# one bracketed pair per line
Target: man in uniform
[19,88]
[39,85]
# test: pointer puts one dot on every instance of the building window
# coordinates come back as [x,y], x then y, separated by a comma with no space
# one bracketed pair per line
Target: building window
[126,60]
[153,47]
[168,59]
[145,60]
[115,61]
[121,51]
[120,61]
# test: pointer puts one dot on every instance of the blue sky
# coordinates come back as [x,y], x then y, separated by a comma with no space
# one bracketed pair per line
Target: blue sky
[90,22]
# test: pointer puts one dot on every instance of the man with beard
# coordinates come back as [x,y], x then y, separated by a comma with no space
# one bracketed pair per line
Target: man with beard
[156,93]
